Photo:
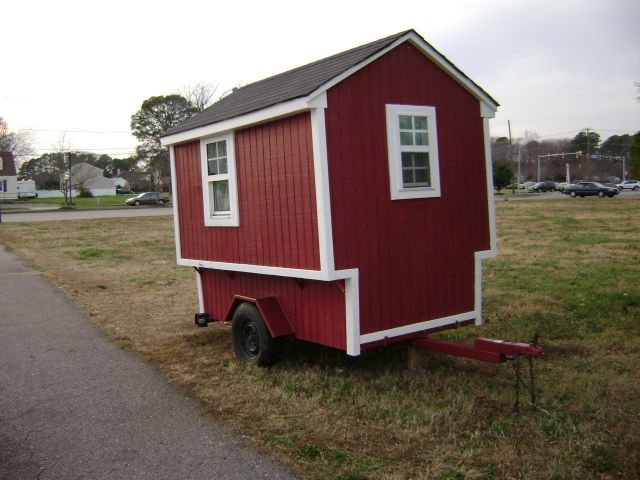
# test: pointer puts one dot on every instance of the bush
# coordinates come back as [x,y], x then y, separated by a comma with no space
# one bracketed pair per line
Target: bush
[84,192]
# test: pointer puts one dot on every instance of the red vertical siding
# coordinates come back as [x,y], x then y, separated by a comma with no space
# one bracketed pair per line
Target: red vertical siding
[315,309]
[276,197]
[416,257]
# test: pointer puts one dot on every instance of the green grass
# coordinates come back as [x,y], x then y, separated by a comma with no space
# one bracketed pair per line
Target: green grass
[86,202]
[566,271]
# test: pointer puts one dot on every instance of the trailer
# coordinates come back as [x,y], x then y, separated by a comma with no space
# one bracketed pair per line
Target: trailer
[26,189]
[347,202]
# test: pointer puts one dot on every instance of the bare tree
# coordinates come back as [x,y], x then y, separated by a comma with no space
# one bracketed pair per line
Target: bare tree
[199,95]
[18,143]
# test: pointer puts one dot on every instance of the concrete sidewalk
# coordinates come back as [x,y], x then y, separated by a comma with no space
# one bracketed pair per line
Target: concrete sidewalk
[75,406]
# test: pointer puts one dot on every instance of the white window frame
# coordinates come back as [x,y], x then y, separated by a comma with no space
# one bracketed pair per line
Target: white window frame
[230,218]
[398,190]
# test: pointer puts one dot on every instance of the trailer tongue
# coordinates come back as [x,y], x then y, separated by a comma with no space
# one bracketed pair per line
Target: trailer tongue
[483,349]
[492,351]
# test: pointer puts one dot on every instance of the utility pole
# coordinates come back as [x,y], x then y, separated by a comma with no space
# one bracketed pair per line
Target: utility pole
[588,155]
[70,183]
[513,187]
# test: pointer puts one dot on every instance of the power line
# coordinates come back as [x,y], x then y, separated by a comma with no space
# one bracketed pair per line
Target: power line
[74,131]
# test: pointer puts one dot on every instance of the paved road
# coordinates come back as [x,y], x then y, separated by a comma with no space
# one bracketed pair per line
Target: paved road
[626,194]
[50,215]
[75,406]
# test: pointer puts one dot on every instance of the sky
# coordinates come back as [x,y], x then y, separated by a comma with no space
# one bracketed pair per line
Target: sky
[74,72]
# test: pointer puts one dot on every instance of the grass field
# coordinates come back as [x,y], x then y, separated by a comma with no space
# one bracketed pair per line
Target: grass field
[567,270]
[86,202]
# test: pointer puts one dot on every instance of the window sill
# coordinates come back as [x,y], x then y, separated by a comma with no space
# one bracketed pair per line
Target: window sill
[221,221]
[406,194]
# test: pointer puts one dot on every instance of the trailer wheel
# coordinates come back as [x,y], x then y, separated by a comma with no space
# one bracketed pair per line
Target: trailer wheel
[251,339]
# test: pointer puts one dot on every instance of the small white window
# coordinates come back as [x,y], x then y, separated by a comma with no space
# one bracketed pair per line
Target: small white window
[219,185]
[412,143]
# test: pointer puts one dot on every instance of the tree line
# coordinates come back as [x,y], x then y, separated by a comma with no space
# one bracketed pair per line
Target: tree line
[587,157]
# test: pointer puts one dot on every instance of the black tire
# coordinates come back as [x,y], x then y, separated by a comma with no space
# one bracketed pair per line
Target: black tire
[251,339]
[160,202]
[601,194]
[635,189]
[137,203]
[572,194]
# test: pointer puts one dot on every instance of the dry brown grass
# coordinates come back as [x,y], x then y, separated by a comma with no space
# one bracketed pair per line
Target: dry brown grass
[330,416]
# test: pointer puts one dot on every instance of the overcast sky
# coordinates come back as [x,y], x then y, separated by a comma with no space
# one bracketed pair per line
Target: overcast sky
[83,68]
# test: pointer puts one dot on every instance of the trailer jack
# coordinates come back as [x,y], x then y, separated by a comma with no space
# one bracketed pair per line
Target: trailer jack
[202,319]
[493,351]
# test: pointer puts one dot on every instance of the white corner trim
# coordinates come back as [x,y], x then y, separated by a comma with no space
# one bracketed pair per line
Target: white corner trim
[352,311]
[490,199]
[493,242]
[321,177]
[487,111]
[479,257]
[200,291]
[174,200]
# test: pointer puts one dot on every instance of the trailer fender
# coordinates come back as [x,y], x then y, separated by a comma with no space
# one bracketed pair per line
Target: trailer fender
[272,313]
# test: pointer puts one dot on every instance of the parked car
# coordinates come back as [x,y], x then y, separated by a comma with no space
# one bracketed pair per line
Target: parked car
[123,191]
[612,185]
[148,198]
[629,185]
[544,187]
[589,189]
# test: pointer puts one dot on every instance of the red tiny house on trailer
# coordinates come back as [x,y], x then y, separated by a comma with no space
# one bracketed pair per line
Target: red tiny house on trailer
[355,190]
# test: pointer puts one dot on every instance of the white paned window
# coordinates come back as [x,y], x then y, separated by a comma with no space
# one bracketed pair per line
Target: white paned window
[219,186]
[412,143]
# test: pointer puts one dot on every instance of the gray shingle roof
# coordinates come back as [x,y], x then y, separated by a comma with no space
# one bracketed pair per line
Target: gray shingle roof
[296,83]
[283,87]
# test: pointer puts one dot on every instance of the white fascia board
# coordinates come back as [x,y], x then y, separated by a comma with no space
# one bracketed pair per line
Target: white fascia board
[416,327]
[259,116]
[488,108]
[267,270]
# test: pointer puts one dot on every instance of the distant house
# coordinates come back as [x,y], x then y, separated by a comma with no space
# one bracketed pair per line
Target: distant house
[120,182]
[8,177]
[92,179]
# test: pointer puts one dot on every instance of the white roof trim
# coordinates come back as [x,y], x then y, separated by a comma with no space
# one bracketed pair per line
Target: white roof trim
[259,116]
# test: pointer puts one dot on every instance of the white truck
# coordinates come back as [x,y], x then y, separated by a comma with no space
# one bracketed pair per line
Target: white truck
[26,189]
